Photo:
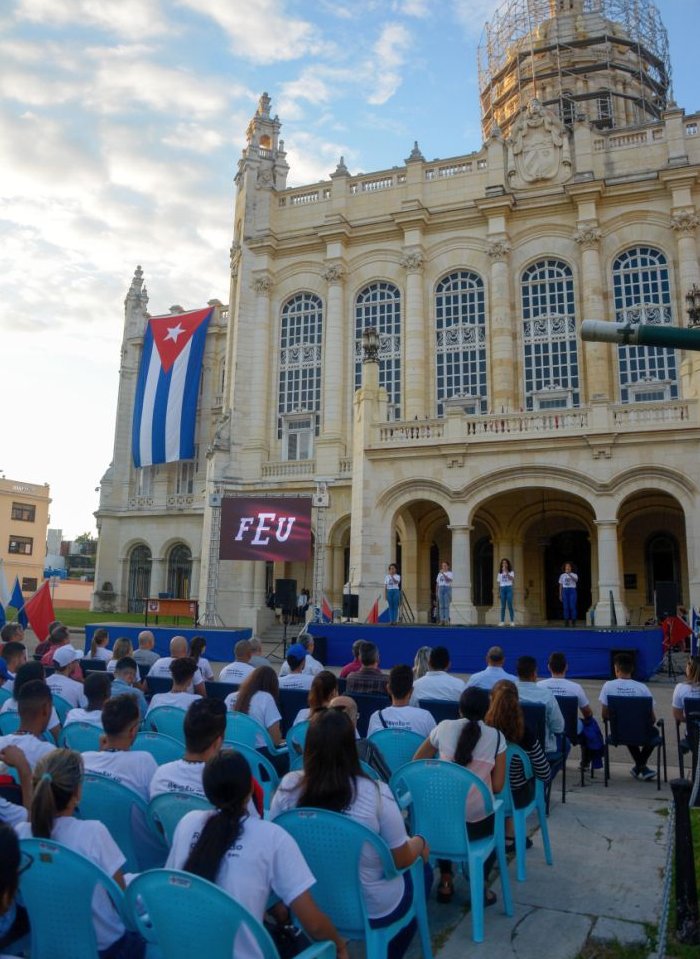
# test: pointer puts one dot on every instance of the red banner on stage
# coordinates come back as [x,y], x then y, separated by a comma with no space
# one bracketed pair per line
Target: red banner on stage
[265,528]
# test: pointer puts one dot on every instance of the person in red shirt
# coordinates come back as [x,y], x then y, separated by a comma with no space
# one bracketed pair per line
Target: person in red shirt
[356,663]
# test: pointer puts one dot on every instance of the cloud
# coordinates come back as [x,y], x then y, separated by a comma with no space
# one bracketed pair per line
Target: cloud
[413,8]
[473,14]
[127,18]
[389,56]
[312,158]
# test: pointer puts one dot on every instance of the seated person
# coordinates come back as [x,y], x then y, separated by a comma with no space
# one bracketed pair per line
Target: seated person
[97,688]
[98,645]
[28,673]
[60,682]
[14,923]
[257,658]
[13,656]
[258,697]
[116,759]
[34,705]
[12,812]
[204,727]
[311,665]
[145,654]
[494,672]
[688,690]
[182,671]
[125,677]
[368,678]
[367,751]
[122,647]
[178,650]
[296,678]
[323,689]
[437,682]
[240,668]
[198,647]
[624,685]
[355,663]
[60,637]
[530,692]
[401,715]
[559,685]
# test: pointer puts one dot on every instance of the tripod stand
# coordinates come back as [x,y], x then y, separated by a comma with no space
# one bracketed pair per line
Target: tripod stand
[286,619]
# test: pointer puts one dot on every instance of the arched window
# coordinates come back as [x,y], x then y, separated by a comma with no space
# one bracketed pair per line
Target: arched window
[301,333]
[549,336]
[379,305]
[180,571]
[460,325]
[139,578]
[662,562]
[642,295]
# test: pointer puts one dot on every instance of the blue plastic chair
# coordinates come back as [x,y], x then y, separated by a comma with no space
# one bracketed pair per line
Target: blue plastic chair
[9,723]
[397,746]
[260,767]
[440,708]
[520,814]
[164,749]
[242,728]
[187,916]
[435,793]
[80,736]
[57,881]
[296,740]
[62,707]
[630,722]
[332,845]
[169,720]
[125,814]
[167,809]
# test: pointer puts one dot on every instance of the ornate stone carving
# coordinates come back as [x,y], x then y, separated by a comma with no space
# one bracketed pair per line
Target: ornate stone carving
[538,148]
[334,273]
[412,261]
[222,435]
[685,222]
[262,285]
[588,237]
[264,178]
[341,169]
[499,250]
[235,257]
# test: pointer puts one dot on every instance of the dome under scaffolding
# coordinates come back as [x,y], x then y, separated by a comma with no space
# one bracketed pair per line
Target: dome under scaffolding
[606,60]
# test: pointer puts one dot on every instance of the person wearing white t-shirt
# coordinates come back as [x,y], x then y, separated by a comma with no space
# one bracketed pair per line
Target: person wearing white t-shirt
[258,697]
[97,687]
[178,650]
[198,646]
[624,685]
[34,706]
[296,678]
[11,812]
[56,797]
[182,671]
[248,858]
[115,759]
[559,685]
[530,691]
[29,672]
[437,682]
[401,715]
[444,593]
[204,729]
[240,668]
[392,592]
[13,655]
[311,666]
[98,645]
[568,582]
[690,689]
[123,647]
[60,682]
[506,578]
[323,689]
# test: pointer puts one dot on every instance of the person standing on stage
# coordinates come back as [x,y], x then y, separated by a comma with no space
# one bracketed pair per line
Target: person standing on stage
[444,592]
[567,594]
[506,578]
[392,593]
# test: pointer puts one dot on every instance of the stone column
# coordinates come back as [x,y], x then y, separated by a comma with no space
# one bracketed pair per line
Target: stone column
[608,576]
[328,446]
[414,352]
[684,224]
[502,338]
[598,382]
[260,332]
[159,569]
[462,611]
[519,584]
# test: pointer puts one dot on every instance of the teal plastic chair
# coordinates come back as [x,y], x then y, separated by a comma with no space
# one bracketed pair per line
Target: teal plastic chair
[397,746]
[242,728]
[125,814]
[296,740]
[166,810]
[260,767]
[370,771]
[435,793]
[56,882]
[5,694]
[332,845]
[185,916]
[168,720]
[9,723]
[164,749]
[62,707]
[80,736]
[519,815]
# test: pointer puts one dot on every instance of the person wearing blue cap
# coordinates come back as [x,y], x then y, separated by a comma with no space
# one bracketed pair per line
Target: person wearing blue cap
[296,678]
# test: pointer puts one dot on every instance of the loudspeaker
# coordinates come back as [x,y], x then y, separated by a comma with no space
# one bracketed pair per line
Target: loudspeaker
[321,649]
[631,652]
[286,594]
[665,599]
[351,605]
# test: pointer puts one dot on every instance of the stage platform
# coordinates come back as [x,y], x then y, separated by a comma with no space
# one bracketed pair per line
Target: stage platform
[220,641]
[587,650]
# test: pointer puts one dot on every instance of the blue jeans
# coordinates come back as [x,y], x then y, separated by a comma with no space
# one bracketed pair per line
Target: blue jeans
[444,600]
[393,598]
[507,600]
[568,598]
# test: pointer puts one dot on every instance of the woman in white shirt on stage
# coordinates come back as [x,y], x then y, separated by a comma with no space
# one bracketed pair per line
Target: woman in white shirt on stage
[506,578]
[444,593]
[392,592]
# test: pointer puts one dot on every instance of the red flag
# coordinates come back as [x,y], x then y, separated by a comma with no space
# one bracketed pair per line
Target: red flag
[374,612]
[326,610]
[39,610]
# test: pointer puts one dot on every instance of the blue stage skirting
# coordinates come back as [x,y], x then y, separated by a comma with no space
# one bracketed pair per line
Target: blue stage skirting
[587,650]
[220,642]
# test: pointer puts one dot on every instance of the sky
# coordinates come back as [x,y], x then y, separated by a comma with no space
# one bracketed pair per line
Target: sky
[121,124]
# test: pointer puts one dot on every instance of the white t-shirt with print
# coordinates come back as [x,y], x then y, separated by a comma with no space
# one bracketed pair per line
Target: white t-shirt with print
[205,669]
[568,580]
[414,718]
[392,581]
[235,672]
[134,769]
[178,776]
[67,689]
[263,709]
[623,687]
[264,858]
[444,578]
[161,667]
[10,706]
[296,681]
[178,700]
[490,744]
[80,715]
[32,747]
[91,839]
[375,807]
[682,692]
[312,667]
[507,578]
[560,686]
[437,684]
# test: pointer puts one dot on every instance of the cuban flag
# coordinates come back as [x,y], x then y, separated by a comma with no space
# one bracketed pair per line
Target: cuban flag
[165,407]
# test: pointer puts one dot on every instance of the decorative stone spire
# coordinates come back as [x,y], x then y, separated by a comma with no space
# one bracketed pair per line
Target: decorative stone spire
[415,154]
[138,294]
[341,169]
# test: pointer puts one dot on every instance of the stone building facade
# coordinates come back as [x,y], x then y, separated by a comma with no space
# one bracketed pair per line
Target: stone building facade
[486,428]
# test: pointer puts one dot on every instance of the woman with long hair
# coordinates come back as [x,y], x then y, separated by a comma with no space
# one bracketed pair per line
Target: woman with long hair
[57,789]
[258,696]
[98,645]
[198,646]
[421,663]
[333,779]
[470,743]
[122,647]
[690,689]
[323,688]
[506,578]
[247,857]
[505,714]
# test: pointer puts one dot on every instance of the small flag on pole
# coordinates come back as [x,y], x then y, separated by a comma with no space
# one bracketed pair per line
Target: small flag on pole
[326,610]
[39,610]
[373,615]
[17,603]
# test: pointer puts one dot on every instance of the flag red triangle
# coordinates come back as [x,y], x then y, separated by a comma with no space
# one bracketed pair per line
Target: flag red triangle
[374,613]
[39,610]
[172,333]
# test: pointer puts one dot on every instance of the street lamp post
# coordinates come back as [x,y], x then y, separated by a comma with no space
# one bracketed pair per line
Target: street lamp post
[370,345]
[692,303]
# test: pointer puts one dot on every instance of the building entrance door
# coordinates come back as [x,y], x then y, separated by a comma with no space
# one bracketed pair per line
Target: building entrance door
[570,546]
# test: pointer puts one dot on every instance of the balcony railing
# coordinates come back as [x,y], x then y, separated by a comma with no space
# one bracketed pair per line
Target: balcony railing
[287,468]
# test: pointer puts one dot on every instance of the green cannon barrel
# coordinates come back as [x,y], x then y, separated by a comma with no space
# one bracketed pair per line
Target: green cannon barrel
[642,334]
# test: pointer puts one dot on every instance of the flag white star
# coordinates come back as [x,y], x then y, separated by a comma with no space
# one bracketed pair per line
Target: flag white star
[174,332]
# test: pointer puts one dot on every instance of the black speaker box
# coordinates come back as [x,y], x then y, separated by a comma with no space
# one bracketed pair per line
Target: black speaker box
[351,605]
[286,594]
[665,599]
